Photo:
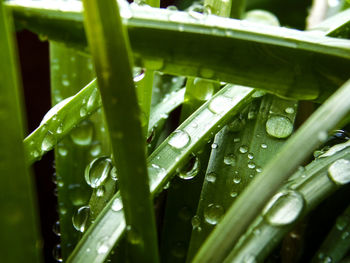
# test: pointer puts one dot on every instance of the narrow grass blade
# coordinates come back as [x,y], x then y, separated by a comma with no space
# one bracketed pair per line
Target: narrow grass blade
[307,188]
[19,237]
[337,244]
[183,195]
[112,59]
[283,61]
[162,164]
[69,72]
[312,133]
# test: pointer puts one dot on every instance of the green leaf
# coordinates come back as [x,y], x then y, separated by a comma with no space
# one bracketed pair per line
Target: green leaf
[19,237]
[112,59]
[286,62]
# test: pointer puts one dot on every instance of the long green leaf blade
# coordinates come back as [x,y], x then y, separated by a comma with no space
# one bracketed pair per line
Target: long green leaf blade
[19,239]
[283,61]
[112,59]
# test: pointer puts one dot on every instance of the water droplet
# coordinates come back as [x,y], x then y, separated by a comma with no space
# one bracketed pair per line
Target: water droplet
[279,127]
[83,111]
[100,191]
[284,208]
[83,133]
[237,179]
[213,213]
[48,141]
[339,171]
[95,149]
[196,222]
[178,250]
[342,222]
[214,146]
[289,110]
[220,104]
[59,129]
[258,94]
[179,139]
[230,159]
[114,174]
[56,228]
[250,156]
[211,177]
[94,100]
[65,80]
[133,236]
[263,145]
[117,205]
[345,235]
[190,170]
[53,111]
[80,218]
[233,194]
[138,74]
[203,89]
[97,171]
[102,246]
[57,253]
[196,11]
[258,169]
[243,149]
[236,140]
[251,165]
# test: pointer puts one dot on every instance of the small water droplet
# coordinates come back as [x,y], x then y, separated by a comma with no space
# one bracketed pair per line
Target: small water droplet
[95,149]
[214,146]
[258,169]
[263,145]
[97,171]
[56,228]
[82,135]
[213,213]
[289,110]
[211,177]
[114,174]
[59,129]
[117,205]
[138,74]
[243,149]
[80,218]
[48,141]
[94,100]
[251,165]
[250,156]
[190,170]
[179,139]
[345,235]
[102,246]
[83,111]
[279,127]
[284,208]
[196,222]
[230,159]
[62,150]
[237,179]
[220,104]
[100,191]
[342,222]
[339,171]
[233,194]
[65,80]
[57,253]
[133,236]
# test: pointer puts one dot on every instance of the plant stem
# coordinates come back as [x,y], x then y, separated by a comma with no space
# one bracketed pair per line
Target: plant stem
[113,64]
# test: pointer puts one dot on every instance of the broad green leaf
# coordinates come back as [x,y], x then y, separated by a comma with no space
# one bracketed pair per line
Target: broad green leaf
[19,238]
[162,164]
[111,55]
[286,62]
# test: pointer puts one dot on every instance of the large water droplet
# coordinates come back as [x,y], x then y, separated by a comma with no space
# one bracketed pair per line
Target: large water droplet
[204,89]
[48,141]
[220,104]
[284,208]
[97,171]
[279,127]
[339,171]
[117,205]
[179,139]
[190,170]
[53,111]
[80,218]
[83,133]
[213,213]
[230,159]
